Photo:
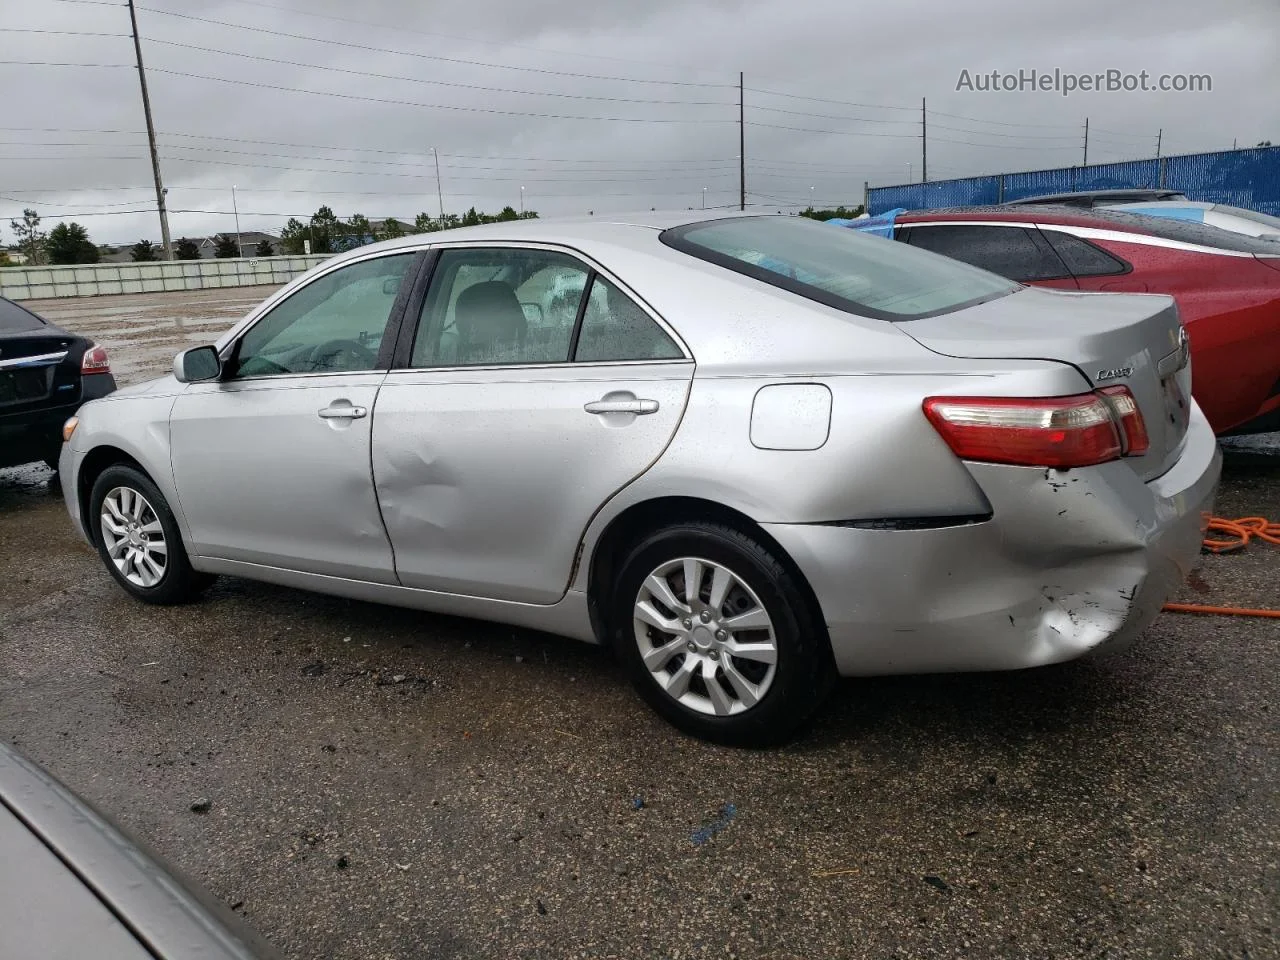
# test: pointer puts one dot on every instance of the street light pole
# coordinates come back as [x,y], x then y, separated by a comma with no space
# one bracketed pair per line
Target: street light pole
[236,210]
[522,199]
[704,198]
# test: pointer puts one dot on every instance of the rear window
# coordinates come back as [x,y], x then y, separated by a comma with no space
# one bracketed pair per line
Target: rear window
[16,319]
[1188,231]
[839,267]
[1254,215]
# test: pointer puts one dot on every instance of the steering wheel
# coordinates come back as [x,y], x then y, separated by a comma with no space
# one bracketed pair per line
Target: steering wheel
[331,354]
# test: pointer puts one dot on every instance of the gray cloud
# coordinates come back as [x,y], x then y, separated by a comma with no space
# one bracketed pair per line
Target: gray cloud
[882,54]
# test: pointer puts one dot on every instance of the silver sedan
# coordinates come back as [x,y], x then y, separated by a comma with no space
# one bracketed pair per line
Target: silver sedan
[750,453]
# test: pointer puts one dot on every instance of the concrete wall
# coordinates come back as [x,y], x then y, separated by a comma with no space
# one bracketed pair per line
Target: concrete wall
[91,280]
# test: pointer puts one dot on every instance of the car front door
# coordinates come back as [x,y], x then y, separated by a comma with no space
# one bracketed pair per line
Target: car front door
[271,461]
[533,389]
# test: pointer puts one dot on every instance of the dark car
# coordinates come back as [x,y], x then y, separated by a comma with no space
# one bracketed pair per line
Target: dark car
[73,885]
[46,373]
[1098,198]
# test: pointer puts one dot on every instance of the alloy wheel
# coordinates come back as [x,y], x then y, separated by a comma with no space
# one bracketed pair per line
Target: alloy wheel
[134,537]
[705,636]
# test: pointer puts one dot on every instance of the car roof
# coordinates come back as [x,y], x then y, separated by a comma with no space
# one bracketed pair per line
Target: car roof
[1137,193]
[1100,218]
[560,230]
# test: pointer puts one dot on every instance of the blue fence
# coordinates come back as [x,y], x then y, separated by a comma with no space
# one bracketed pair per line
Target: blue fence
[1242,178]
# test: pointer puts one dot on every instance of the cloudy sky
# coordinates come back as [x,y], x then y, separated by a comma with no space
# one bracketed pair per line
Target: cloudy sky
[601,106]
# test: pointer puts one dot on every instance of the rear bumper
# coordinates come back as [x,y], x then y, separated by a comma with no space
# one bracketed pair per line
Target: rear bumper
[36,434]
[1070,562]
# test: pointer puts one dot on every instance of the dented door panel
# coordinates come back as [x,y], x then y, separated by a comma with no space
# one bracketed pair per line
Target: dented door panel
[487,478]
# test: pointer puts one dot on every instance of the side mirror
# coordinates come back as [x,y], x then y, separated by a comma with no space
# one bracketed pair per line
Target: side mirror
[197,364]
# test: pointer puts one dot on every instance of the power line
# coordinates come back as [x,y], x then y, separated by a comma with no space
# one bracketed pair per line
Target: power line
[842,133]
[400,28]
[431,106]
[440,83]
[61,33]
[429,56]
[58,63]
[843,103]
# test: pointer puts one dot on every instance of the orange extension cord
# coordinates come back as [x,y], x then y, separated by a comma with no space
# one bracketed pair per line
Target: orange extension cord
[1240,532]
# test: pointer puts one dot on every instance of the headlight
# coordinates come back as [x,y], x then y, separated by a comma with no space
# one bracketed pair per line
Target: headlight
[69,428]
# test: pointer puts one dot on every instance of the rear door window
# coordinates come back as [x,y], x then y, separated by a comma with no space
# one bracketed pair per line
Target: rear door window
[1082,258]
[615,328]
[1011,251]
[490,306]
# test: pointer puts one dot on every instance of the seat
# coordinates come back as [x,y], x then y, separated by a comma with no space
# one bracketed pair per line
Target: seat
[491,324]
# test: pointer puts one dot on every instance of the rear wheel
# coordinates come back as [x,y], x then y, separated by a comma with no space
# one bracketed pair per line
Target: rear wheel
[138,538]
[718,636]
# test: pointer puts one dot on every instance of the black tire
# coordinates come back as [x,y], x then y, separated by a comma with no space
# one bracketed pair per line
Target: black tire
[178,583]
[804,670]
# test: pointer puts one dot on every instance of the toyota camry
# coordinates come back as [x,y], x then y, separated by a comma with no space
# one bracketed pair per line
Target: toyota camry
[750,453]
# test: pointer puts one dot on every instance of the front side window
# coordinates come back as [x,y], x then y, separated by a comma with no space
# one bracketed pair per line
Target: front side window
[334,324]
[839,267]
[615,328]
[1009,251]
[493,305]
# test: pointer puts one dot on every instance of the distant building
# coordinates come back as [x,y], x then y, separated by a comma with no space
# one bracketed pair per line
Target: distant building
[249,241]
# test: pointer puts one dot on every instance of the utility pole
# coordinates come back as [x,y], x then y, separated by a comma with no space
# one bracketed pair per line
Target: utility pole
[151,138]
[742,149]
[236,210]
[439,191]
[924,142]
[1159,138]
[1086,142]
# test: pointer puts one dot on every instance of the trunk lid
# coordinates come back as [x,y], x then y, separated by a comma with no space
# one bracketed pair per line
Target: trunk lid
[1136,341]
[29,366]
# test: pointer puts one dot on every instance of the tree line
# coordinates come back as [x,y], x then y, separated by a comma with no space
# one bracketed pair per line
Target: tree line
[330,234]
[69,243]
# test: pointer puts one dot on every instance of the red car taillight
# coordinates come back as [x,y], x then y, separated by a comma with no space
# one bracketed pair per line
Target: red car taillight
[95,361]
[1061,432]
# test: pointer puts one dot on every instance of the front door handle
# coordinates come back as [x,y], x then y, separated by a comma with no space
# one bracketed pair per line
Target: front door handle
[342,411]
[638,407]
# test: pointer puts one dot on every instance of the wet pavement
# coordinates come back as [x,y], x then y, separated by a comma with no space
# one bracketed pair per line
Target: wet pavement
[386,783]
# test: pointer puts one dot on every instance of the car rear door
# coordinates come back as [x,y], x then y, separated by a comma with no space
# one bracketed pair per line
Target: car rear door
[533,388]
[271,462]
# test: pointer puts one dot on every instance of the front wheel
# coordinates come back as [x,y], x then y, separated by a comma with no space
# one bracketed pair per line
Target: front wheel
[138,538]
[719,637]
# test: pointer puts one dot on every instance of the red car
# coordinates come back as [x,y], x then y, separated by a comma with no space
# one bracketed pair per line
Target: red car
[1227,285]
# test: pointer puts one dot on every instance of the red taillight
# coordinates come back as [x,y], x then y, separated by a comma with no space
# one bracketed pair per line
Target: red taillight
[95,361]
[1060,432]
[1132,426]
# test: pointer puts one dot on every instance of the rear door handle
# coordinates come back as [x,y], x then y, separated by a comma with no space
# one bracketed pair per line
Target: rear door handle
[638,407]
[342,411]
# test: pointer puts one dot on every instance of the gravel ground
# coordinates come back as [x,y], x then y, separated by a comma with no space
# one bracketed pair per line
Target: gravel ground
[385,783]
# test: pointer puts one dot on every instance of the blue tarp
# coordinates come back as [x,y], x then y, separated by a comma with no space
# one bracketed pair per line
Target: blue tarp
[878,226]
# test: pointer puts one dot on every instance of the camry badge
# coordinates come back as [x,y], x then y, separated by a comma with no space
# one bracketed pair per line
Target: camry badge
[1115,373]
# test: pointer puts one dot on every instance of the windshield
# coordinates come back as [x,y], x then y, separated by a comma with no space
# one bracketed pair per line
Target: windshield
[839,267]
